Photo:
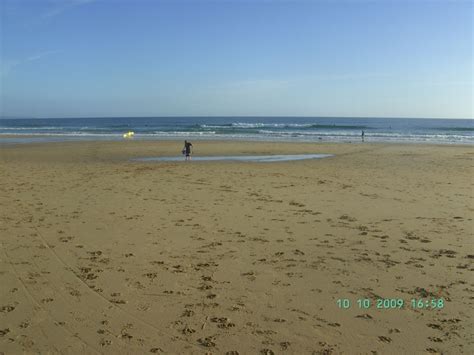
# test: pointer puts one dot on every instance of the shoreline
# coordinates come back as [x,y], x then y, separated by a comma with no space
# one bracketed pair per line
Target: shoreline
[235,141]
[51,138]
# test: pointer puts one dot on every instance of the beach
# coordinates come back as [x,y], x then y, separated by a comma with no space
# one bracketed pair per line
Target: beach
[102,254]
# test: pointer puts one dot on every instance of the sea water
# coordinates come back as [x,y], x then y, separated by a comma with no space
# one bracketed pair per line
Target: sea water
[288,129]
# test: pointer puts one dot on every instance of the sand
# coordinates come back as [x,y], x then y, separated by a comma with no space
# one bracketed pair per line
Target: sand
[103,255]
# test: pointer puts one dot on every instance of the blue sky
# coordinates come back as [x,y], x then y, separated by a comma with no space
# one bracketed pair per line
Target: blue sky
[90,58]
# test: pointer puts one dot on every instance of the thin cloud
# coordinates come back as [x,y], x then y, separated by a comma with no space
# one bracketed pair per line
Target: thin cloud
[40,55]
[285,83]
[7,66]
[257,83]
[350,76]
[64,6]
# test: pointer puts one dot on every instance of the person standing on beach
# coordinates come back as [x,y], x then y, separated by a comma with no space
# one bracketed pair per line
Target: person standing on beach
[187,150]
[362,135]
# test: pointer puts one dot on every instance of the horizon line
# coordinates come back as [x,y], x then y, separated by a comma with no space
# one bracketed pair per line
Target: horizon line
[234,116]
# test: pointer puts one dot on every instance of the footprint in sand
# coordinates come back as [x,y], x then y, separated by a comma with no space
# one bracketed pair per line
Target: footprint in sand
[143,307]
[157,262]
[91,276]
[177,269]
[250,275]
[364,316]
[208,342]
[125,335]
[222,322]
[118,301]
[385,339]
[187,313]
[6,309]
[445,252]
[294,203]
[187,330]
[424,293]
[410,236]
[95,253]
[105,342]
[434,326]
[345,217]
[24,325]
[73,292]
[151,275]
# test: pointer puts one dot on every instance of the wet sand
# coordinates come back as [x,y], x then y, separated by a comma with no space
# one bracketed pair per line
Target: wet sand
[101,254]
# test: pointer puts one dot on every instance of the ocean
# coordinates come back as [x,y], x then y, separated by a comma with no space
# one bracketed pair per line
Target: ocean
[297,129]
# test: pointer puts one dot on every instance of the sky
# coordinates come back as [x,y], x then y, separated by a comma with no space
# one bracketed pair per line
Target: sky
[348,58]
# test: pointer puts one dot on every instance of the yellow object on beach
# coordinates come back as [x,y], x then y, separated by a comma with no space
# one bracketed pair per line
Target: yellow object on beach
[128,134]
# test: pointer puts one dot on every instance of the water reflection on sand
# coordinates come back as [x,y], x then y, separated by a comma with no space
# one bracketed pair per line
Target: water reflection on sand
[245,158]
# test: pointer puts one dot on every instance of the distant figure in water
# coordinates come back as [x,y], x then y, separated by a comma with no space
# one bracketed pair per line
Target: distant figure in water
[362,135]
[187,150]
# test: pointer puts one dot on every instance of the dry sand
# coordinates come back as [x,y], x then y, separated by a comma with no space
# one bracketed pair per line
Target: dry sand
[103,255]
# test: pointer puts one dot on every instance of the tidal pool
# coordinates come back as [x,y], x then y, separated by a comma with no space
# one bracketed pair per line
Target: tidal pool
[245,158]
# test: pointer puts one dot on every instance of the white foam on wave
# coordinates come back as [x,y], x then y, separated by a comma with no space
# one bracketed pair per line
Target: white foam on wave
[270,125]
[180,133]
